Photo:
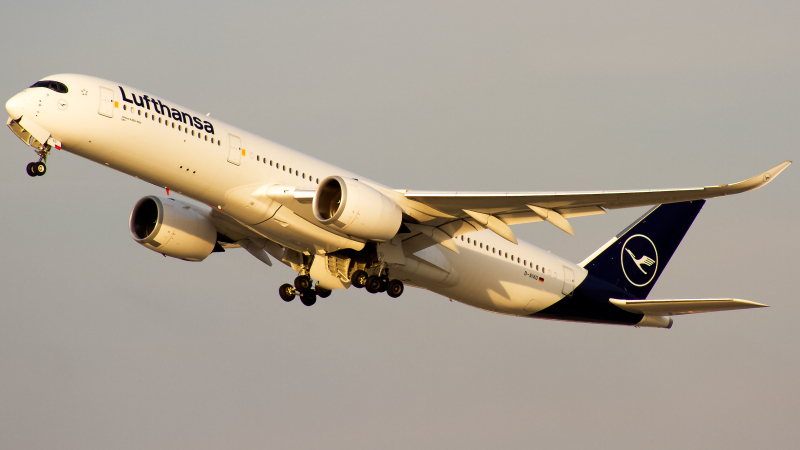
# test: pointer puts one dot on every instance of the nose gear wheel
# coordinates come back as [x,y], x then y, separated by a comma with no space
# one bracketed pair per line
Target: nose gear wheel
[36,169]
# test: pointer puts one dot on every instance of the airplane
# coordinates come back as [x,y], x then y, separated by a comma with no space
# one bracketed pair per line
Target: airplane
[337,229]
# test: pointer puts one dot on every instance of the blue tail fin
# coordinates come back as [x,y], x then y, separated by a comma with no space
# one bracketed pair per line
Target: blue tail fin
[635,258]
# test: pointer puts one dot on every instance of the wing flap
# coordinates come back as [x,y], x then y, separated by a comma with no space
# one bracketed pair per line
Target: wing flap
[676,307]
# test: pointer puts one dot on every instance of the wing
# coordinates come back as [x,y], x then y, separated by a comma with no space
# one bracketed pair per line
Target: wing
[687,306]
[496,211]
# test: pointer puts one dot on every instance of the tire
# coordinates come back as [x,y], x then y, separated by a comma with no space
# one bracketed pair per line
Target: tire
[308,298]
[322,292]
[29,169]
[286,292]
[359,279]
[395,288]
[302,283]
[39,169]
[373,284]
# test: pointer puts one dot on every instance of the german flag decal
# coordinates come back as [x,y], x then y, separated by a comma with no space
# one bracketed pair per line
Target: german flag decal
[541,279]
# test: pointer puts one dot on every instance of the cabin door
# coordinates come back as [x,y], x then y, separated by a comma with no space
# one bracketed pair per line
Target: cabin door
[235,151]
[569,281]
[106,102]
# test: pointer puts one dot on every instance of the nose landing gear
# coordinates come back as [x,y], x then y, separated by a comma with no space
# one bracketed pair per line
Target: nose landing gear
[39,168]
[36,169]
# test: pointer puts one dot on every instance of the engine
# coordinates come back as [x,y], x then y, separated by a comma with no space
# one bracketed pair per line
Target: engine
[172,228]
[356,209]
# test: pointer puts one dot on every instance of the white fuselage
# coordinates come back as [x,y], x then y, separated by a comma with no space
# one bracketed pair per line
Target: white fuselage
[220,165]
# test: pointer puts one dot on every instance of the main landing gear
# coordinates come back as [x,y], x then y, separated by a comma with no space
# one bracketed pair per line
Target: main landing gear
[377,283]
[302,287]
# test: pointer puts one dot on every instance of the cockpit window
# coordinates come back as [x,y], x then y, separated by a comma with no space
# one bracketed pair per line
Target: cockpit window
[52,85]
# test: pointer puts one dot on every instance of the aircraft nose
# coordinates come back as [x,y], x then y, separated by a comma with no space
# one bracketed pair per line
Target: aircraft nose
[15,106]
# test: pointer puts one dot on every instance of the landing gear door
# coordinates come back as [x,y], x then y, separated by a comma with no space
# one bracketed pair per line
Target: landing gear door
[235,151]
[106,102]
[569,281]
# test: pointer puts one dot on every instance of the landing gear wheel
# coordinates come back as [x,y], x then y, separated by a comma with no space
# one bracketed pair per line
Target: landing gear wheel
[29,169]
[395,288]
[359,279]
[308,298]
[322,292]
[39,168]
[302,283]
[286,292]
[373,284]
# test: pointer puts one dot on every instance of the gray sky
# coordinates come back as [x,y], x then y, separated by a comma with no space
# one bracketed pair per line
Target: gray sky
[104,344]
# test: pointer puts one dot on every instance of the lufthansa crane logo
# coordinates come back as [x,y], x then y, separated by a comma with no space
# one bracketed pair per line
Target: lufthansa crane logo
[639,260]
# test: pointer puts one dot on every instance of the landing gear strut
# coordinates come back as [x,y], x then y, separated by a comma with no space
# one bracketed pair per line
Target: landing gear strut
[39,168]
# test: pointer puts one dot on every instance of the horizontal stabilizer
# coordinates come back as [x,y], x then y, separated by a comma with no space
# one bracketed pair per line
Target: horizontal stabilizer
[685,306]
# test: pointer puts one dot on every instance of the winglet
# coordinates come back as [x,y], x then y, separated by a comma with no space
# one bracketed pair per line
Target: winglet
[754,182]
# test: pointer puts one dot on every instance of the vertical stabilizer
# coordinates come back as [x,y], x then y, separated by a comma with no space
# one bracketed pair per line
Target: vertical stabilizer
[635,258]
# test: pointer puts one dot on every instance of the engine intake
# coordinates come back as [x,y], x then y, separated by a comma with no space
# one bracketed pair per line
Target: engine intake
[352,207]
[172,228]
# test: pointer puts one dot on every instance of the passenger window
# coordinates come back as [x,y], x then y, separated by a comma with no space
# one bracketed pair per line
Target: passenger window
[481,244]
[179,127]
[212,140]
[139,111]
[159,120]
[206,138]
[124,107]
[192,132]
[145,115]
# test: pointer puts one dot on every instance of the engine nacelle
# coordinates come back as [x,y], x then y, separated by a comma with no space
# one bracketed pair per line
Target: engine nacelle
[172,228]
[356,209]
